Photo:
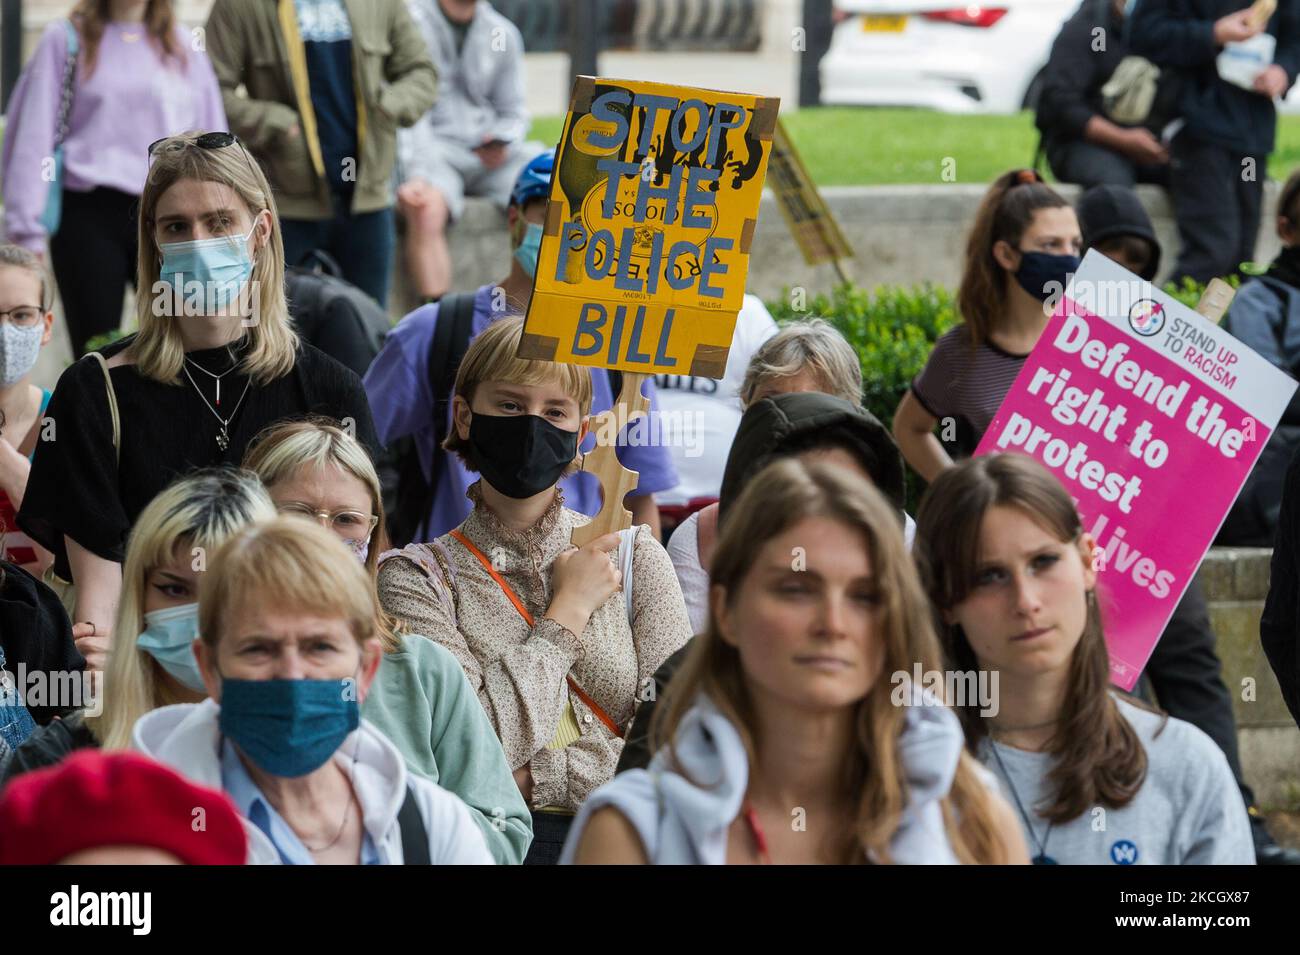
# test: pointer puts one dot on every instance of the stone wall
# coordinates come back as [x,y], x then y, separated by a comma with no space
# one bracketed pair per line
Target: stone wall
[1236,583]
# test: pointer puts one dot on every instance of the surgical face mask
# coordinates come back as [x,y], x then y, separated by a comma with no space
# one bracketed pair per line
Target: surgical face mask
[530,246]
[289,728]
[222,266]
[521,455]
[169,638]
[1042,274]
[19,348]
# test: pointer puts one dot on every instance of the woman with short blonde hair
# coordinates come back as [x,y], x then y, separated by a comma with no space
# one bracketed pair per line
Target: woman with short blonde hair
[289,651]
[215,361]
[421,699]
[556,652]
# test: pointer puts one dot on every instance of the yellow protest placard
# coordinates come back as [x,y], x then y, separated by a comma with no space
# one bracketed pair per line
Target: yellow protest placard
[652,211]
[806,213]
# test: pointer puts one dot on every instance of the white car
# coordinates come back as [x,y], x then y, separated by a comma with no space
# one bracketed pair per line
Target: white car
[936,54]
[931,53]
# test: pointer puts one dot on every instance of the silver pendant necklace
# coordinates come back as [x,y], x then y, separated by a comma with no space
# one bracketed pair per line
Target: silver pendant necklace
[210,374]
[223,436]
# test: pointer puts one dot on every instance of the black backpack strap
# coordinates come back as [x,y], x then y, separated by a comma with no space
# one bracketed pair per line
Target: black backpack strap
[450,342]
[415,837]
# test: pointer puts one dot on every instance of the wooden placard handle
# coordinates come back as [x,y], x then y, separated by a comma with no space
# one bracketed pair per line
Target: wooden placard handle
[615,480]
[1215,300]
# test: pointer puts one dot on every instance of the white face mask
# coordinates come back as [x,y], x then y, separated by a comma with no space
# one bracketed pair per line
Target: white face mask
[19,348]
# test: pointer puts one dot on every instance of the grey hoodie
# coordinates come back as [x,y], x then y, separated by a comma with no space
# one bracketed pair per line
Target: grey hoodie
[682,823]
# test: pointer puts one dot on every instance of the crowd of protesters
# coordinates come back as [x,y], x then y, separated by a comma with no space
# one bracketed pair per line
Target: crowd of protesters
[200,530]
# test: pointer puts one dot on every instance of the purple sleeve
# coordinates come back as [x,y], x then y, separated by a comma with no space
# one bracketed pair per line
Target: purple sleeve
[29,138]
[651,459]
[932,386]
[396,384]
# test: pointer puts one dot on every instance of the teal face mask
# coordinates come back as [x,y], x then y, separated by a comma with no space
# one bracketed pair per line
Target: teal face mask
[529,248]
[220,267]
[169,638]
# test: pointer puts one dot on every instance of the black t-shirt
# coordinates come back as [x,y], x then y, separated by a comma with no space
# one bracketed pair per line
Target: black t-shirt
[80,488]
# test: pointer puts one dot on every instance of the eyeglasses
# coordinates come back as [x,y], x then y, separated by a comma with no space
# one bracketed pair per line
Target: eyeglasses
[352,525]
[24,316]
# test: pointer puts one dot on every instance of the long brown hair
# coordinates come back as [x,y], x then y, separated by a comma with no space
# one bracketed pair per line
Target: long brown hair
[90,17]
[1099,758]
[782,495]
[1004,214]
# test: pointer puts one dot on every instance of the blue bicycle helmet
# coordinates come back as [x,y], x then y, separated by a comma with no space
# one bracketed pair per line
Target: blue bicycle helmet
[534,180]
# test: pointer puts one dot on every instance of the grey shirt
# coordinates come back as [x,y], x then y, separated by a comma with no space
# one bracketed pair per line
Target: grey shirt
[1189,810]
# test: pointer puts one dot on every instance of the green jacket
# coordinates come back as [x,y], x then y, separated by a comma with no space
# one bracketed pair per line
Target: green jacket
[423,702]
[254,44]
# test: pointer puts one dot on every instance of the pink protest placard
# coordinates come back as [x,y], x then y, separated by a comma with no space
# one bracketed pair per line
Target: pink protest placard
[1152,418]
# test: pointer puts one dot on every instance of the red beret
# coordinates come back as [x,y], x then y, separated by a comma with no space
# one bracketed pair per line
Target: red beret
[94,799]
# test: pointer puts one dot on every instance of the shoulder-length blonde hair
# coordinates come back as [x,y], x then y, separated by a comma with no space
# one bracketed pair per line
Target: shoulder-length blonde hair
[782,495]
[157,350]
[284,450]
[291,564]
[199,511]
[1099,757]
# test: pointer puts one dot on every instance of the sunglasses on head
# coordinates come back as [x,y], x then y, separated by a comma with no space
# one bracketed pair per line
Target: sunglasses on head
[213,140]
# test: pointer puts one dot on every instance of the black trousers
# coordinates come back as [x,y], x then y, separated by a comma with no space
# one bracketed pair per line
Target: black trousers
[550,829]
[1185,673]
[1217,193]
[94,256]
[1088,164]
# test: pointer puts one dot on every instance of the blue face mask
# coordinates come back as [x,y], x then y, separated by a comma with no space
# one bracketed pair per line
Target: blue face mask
[530,247]
[289,728]
[1039,269]
[221,266]
[169,638]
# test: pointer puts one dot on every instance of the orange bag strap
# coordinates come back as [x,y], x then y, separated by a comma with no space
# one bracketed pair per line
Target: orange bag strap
[528,618]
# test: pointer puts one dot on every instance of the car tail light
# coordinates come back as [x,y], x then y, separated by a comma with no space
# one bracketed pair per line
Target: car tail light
[972,16]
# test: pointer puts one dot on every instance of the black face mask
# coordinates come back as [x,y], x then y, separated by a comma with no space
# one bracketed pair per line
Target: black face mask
[520,455]
[1039,270]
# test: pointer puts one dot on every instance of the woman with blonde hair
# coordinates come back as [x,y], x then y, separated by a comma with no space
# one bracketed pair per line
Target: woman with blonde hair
[798,699]
[557,654]
[153,663]
[421,699]
[288,652]
[215,361]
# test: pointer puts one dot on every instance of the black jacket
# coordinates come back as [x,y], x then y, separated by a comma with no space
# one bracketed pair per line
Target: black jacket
[47,746]
[1076,71]
[37,639]
[1279,627]
[1180,34]
[773,428]
[1109,211]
